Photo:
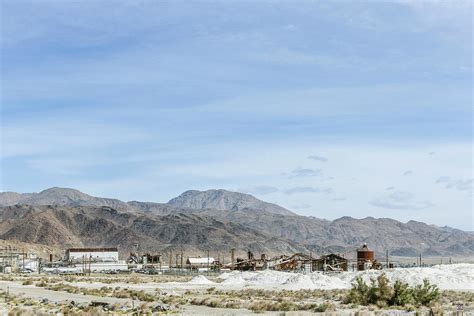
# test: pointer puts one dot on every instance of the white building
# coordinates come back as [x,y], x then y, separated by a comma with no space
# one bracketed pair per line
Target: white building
[200,264]
[92,254]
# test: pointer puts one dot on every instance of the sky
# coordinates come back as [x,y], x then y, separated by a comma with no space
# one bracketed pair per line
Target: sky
[330,109]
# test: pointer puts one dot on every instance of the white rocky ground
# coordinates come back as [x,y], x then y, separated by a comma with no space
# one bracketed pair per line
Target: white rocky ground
[459,277]
[447,277]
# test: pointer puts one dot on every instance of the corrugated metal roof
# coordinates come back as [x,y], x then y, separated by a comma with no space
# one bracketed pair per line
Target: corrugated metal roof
[92,250]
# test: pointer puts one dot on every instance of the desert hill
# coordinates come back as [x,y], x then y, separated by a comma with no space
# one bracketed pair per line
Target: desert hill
[216,220]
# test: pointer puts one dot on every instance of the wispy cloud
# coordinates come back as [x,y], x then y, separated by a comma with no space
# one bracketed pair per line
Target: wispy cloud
[443,179]
[408,172]
[318,158]
[297,190]
[305,172]
[401,200]
[457,184]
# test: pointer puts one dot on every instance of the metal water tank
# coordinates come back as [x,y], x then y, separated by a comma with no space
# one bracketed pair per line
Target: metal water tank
[364,255]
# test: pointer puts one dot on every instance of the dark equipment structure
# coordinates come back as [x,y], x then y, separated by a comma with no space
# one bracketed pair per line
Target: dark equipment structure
[331,262]
[251,263]
[147,258]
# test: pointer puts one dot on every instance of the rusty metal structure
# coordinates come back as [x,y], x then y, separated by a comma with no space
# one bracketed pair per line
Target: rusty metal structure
[366,259]
[297,262]
[331,262]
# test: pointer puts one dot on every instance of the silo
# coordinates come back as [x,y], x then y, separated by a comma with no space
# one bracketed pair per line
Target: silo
[364,256]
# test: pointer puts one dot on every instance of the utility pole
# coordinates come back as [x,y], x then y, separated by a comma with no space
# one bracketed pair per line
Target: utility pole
[420,259]
[386,256]
[170,260]
[207,261]
[232,257]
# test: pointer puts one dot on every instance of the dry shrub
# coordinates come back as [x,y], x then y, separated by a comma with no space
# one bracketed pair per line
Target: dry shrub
[381,293]
[28,282]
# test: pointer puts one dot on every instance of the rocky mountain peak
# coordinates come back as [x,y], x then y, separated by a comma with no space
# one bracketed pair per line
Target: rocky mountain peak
[225,200]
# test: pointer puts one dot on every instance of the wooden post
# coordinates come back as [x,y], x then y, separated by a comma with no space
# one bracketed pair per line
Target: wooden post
[232,257]
[207,261]
[170,260]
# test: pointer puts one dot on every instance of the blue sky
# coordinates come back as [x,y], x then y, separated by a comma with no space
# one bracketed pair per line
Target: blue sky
[329,109]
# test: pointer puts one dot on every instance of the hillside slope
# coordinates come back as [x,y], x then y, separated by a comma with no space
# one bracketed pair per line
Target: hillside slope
[215,219]
[66,226]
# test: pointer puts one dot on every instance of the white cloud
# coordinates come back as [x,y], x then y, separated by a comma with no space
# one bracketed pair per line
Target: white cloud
[305,172]
[318,158]
[401,200]
[457,184]
[298,190]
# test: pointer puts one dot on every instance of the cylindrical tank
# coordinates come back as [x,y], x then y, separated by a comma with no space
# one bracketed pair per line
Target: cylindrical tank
[364,255]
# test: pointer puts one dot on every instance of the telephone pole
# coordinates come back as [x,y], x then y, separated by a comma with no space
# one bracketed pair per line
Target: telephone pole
[207,261]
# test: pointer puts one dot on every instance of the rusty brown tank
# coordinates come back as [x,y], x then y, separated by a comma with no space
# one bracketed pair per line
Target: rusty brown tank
[364,255]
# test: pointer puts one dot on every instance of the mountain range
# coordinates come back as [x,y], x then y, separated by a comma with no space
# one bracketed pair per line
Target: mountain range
[215,220]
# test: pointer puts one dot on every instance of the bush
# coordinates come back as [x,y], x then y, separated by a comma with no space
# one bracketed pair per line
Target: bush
[325,307]
[28,282]
[426,293]
[402,294]
[359,293]
[381,293]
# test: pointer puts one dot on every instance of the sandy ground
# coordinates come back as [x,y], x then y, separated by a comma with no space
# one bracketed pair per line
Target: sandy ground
[39,293]
[204,310]
[181,295]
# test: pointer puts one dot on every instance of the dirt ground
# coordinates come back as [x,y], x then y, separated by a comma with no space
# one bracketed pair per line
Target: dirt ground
[142,294]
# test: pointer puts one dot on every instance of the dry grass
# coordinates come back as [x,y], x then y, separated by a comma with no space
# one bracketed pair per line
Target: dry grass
[152,301]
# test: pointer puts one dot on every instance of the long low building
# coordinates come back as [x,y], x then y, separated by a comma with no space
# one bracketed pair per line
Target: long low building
[200,264]
[92,254]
